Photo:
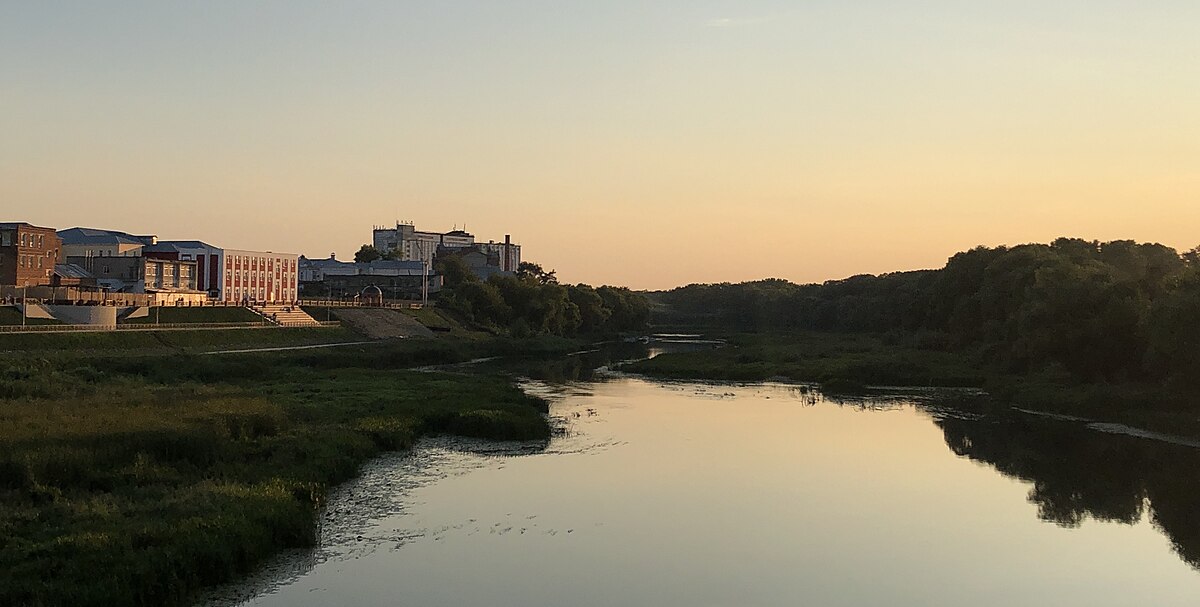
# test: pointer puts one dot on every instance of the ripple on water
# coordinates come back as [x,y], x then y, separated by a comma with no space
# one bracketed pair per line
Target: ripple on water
[360,516]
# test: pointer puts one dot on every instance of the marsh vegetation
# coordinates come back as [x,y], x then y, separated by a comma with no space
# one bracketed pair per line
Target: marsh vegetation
[138,479]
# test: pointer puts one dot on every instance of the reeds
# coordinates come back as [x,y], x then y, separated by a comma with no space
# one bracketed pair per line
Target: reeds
[134,481]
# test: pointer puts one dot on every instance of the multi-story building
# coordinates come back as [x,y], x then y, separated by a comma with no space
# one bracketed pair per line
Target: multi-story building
[259,276]
[210,261]
[28,254]
[410,244]
[140,274]
[222,274]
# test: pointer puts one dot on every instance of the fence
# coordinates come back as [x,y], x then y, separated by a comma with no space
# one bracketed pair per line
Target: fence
[74,295]
[156,327]
[349,303]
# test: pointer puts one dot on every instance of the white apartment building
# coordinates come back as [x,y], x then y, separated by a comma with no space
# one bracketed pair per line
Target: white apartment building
[416,245]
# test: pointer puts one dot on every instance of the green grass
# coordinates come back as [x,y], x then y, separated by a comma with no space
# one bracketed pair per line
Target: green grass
[443,322]
[172,314]
[137,480]
[836,359]
[171,340]
[10,315]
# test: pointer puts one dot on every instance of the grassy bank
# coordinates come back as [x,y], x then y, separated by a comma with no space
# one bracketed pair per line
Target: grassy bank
[849,363]
[136,480]
[213,314]
[171,340]
[441,321]
[11,316]
[817,357]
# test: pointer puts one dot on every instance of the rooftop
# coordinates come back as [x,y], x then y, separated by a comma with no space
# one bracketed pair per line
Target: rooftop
[8,225]
[70,270]
[94,236]
[178,245]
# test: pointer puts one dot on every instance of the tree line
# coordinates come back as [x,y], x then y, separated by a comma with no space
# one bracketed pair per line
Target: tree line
[1099,311]
[531,302]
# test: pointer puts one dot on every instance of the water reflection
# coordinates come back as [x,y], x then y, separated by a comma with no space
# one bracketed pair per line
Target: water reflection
[595,364]
[1078,473]
[687,493]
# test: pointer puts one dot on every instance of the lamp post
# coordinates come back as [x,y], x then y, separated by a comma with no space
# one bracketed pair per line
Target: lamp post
[24,304]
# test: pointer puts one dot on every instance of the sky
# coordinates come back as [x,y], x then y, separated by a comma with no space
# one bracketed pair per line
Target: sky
[633,143]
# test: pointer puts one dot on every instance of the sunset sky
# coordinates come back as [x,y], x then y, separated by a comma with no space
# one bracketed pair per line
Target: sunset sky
[635,143]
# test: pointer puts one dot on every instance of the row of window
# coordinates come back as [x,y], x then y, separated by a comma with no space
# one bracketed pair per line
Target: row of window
[260,294]
[244,262]
[35,261]
[26,240]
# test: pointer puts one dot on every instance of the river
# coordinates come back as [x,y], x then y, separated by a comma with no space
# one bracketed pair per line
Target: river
[693,494]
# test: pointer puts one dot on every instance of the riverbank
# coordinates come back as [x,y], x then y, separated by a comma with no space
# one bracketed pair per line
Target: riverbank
[851,363]
[137,479]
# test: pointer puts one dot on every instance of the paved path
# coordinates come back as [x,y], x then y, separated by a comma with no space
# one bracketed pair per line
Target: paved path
[283,348]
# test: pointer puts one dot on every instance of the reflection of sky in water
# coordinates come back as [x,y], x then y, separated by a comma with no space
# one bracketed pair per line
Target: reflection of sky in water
[685,494]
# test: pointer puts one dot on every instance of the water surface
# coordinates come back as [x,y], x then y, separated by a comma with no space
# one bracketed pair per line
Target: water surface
[690,494]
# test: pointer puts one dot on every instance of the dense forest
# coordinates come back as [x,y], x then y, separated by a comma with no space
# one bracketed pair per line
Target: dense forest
[1096,311]
[532,302]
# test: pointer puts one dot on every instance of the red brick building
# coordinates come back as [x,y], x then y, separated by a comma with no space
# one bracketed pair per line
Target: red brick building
[28,254]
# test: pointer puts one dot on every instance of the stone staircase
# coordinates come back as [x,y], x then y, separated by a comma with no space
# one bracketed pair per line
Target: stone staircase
[286,315]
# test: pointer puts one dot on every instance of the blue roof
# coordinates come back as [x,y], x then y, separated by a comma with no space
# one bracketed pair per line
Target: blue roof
[177,245]
[93,236]
[324,263]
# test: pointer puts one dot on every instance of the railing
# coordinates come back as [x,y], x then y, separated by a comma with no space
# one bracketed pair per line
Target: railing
[160,326]
[343,303]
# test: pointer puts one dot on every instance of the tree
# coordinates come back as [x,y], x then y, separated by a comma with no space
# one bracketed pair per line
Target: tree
[532,271]
[592,314]
[455,271]
[367,253]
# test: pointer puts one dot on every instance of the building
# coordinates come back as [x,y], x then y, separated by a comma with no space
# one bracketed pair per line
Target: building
[221,274]
[258,276]
[210,261]
[93,242]
[71,275]
[170,279]
[28,254]
[394,279]
[484,262]
[414,245]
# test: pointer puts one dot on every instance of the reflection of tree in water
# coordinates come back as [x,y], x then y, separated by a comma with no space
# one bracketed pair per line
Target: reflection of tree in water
[1077,473]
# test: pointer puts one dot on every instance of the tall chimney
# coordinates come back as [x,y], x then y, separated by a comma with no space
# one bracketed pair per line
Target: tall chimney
[507,258]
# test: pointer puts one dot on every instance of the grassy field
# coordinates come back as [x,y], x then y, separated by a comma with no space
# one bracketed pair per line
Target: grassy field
[441,321]
[836,359]
[136,480]
[171,340]
[10,315]
[172,314]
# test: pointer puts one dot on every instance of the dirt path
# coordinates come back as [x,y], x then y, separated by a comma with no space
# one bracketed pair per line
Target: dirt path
[284,348]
